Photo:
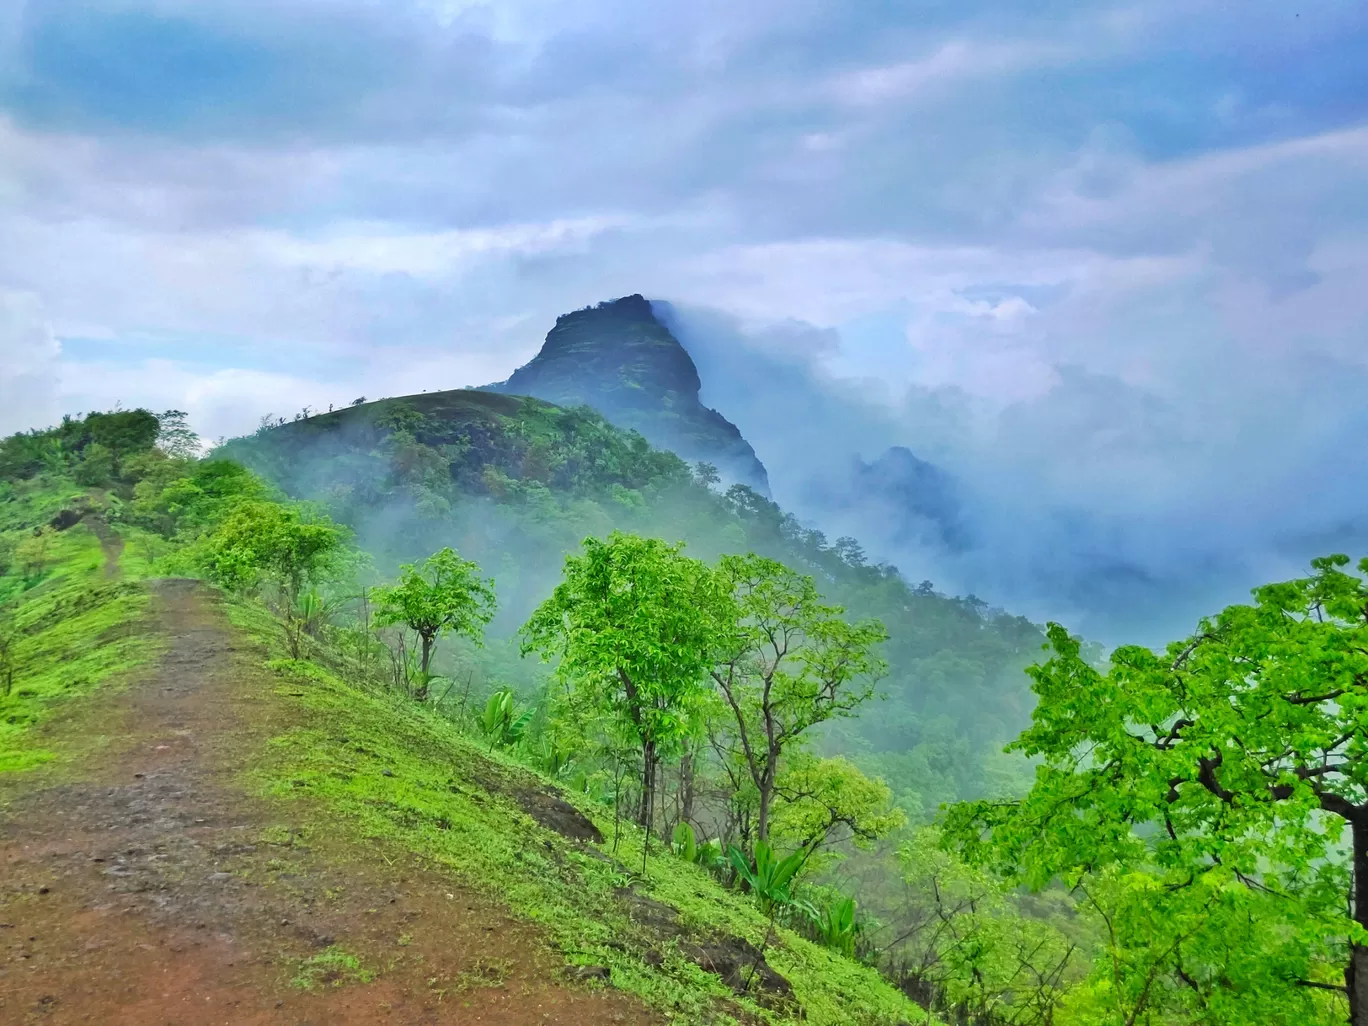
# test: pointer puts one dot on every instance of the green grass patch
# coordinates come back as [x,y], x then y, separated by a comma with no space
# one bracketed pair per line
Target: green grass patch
[70,627]
[332,967]
[402,778]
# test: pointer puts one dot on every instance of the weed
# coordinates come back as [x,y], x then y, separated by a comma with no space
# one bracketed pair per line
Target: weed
[332,967]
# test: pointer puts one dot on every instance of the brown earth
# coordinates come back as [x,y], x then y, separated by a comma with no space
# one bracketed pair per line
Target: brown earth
[139,886]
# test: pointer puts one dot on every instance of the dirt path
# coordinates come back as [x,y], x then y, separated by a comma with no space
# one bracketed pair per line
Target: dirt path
[111,543]
[143,888]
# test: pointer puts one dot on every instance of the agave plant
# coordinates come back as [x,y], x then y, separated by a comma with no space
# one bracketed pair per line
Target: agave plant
[504,721]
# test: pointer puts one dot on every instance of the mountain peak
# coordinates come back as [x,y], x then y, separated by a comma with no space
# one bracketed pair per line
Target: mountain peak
[620,359]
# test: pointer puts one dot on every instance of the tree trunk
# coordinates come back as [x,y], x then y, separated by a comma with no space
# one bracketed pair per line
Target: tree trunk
[762,817]
[422,693]
[686,788]
[648,775]
[1356,972]
[766,789]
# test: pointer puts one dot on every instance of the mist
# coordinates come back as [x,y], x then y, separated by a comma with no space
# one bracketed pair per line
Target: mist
[1126,512]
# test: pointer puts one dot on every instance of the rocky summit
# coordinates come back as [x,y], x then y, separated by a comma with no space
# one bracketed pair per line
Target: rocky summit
[620,359]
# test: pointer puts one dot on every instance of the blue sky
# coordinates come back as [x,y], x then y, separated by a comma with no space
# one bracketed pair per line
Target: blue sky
[1096,254]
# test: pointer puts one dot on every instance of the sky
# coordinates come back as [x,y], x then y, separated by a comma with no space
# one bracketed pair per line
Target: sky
[1106,262]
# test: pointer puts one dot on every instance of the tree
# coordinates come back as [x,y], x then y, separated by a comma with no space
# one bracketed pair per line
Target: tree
[826,801]
[1200,800]
[446,595]
[964,948]
[121,432]
[632,622]
[786,663]
[174,436]
[261,541]
[96,466]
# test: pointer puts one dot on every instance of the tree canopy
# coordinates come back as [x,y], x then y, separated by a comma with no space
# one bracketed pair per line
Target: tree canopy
[445,595]
[632,623]
[1211,803]
[783,663]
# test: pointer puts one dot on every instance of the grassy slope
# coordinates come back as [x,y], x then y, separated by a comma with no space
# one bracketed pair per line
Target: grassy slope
[382,770]
[73,627]
[395,774]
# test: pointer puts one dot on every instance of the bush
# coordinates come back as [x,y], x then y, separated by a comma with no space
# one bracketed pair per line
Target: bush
[96,467]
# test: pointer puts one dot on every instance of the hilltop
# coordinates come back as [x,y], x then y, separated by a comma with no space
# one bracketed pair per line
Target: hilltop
[620,359]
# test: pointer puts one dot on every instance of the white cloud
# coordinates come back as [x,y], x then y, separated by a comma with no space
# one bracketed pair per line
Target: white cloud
[28,364]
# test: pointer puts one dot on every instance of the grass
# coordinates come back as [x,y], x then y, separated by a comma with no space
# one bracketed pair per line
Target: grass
[332,967]
[400,777]
[72,629]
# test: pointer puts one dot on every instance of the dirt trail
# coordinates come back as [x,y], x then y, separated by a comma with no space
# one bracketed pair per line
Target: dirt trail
[111,543]
[143,888]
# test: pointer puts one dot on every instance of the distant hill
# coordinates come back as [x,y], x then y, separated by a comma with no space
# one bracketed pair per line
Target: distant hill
[897,500]
[620,359]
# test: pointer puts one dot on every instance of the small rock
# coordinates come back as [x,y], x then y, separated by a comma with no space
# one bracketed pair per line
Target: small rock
[386,773]
[590,972]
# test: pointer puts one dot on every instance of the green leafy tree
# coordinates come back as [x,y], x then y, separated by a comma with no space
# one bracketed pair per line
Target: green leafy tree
[632,623]
[96,465]
[174,436]
[1213,801]
[788,662]
[262,541]
[821,802]
[445,595]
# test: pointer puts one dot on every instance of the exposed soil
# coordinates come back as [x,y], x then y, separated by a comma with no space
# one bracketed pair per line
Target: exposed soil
[142,887]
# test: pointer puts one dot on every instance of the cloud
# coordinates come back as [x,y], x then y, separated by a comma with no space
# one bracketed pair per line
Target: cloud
[1102,262]
[28,364]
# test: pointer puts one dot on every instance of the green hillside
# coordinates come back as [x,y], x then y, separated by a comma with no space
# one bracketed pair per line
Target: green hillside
[361,772]
[515,484]
[231,774]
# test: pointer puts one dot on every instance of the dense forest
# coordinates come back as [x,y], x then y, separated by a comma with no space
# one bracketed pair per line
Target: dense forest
[1171,838]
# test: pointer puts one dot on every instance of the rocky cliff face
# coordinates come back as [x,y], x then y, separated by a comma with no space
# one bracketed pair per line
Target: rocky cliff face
[618,358]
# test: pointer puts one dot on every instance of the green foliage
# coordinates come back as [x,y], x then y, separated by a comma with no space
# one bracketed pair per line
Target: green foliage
[404,780]
[822,801]
[835,922]
[504,722]
[631,623]
[174,436]
[260,541]
[967,947]
[785,661]
[96,465]
[765,875]
[685,842]
[446,595]
[1200,800]
[75,633]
